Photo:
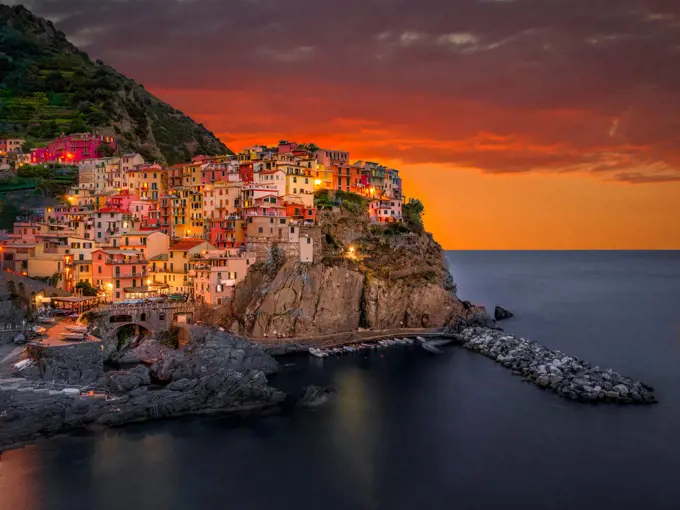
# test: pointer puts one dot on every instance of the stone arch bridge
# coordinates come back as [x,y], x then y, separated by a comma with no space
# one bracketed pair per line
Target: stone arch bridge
[155,318]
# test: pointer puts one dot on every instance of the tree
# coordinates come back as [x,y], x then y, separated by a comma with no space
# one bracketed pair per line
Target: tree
[54,279]
[312,147]
[86,289]
[413,212]
[78,125]
[106,151]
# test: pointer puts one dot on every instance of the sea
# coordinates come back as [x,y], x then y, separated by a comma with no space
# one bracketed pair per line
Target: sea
[408,429]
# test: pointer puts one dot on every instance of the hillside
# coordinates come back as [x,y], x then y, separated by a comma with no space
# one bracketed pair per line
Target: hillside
[48,86]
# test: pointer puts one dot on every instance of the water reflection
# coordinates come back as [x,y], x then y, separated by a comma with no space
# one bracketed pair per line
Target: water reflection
[355,424]
[18,487]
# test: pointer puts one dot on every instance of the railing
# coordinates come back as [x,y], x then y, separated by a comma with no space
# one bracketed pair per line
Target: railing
[129,274]
[175,307]
[13,327]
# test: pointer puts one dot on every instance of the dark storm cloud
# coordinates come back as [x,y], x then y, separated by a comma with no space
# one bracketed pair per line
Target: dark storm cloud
[502,85]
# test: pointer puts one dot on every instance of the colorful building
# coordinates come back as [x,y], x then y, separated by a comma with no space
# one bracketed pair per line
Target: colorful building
[120,273]
[8,145]
[73,148]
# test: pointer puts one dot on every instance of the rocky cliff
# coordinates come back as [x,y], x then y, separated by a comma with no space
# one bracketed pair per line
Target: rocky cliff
[364,276]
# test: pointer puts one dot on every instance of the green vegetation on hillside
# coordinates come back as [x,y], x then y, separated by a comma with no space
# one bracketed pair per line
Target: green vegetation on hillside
[412,212]
[349,201]
[49,87]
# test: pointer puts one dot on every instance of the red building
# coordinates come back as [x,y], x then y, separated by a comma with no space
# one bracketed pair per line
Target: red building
[246,172]
[72,148]
[299,212]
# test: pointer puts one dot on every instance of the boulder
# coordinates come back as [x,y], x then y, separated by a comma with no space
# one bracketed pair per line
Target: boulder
[501,313]
[621,388]
[315,396]
[124,381]
[543,381]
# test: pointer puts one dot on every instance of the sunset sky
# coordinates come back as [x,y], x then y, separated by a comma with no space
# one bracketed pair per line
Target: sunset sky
[521,124]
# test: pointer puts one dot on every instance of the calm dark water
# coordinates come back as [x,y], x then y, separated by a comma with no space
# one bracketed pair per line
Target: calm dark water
[410,430]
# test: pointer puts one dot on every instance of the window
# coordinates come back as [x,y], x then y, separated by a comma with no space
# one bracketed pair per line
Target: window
[99,257]
[118,284]
[282,221]
[99,270]
[259,230]
[117,295]
[161,316]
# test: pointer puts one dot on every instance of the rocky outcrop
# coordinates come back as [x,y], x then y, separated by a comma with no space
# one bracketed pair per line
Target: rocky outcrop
[211,351]
[407,303]
[315,396]
[501,314]
[78,364]
[392,278]
[216,372]
[565,375]
[471,316]
[299,299]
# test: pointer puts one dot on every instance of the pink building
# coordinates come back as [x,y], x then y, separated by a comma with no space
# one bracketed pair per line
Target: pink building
[8,145]
[214,172]
[119,272]
[216,274]
[288,147]
[332,157]
[385,211]
[269,205]
[72,148]
[121,201]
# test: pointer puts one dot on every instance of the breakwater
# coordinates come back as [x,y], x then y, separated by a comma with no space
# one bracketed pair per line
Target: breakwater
[565,375]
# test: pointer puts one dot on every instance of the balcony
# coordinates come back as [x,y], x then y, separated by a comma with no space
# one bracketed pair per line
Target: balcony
[136,262]
[129,274]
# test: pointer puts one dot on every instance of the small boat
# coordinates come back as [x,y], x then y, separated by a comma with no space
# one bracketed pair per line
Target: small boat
[72,336]
[77,329]
[47,320]
[318,353]
[23,364]
[38,330]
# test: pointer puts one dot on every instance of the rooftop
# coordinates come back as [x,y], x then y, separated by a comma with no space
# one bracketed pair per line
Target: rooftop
[186,244]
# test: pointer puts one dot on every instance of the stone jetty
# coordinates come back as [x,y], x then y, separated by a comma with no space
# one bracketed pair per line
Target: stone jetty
[552,370]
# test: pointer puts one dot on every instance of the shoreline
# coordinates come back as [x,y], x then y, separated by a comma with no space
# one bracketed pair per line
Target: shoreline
[219,373]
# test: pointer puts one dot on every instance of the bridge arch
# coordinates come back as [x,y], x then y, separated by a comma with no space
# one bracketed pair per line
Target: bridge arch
[128,332]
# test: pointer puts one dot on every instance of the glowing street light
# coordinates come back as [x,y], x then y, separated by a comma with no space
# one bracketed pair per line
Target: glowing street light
[317,182]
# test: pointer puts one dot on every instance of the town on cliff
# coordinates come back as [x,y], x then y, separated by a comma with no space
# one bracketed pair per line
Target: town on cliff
[131,229]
